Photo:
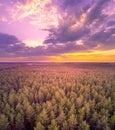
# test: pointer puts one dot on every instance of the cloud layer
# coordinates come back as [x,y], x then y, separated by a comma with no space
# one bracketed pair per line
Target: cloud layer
[72,26]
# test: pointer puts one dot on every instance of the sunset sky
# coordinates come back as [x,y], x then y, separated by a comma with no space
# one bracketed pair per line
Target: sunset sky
[57,30]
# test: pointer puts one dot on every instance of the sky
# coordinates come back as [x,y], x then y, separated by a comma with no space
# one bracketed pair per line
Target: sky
[57,30]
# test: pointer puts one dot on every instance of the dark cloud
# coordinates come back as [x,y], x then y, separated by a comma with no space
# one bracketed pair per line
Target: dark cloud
[94,30]
[64,35]
[7,40]
[111,23]
[61,48]
[66,5]
[10,45]
[95,12]
[103,37]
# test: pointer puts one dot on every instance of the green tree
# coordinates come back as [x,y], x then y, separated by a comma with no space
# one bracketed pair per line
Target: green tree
[84,126]
[39,126]
[12,98]
[61,118]
[53,125]
[3,122]
[112,122]
[43,117]
[65,126]
[19,121]
[72,122]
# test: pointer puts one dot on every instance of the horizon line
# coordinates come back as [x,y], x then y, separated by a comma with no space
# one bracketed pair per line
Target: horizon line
[57,61]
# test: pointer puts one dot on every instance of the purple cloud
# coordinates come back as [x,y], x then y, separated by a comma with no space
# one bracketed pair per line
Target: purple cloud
[93,28]
[10,45]
[92,22]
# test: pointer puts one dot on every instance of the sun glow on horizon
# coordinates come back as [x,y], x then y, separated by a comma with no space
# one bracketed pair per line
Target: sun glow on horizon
[93,56]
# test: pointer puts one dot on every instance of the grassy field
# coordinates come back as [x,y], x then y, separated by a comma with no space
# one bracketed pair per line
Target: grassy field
[57,96]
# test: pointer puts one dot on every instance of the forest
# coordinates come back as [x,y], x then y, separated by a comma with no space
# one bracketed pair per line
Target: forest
[57,96]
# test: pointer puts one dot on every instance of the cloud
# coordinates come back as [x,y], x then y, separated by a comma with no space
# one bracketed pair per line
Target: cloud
[10,45]
[33,43]
[40,12]
[84,21]
[95,11]
[111,23]
[73,26]
[7,40]
[103,37]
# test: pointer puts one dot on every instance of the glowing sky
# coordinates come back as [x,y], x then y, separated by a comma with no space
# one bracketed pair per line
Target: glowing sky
[57,30]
